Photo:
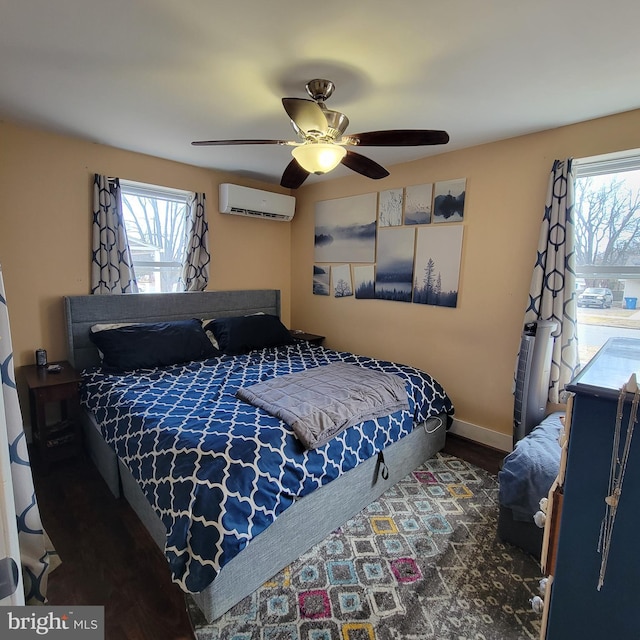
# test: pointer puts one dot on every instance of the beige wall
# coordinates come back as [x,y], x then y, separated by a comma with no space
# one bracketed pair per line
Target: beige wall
[45,230]
[471,350]
[45,246]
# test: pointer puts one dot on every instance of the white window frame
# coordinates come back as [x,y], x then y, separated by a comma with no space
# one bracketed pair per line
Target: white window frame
[602,165]
[596,166]
[157,192]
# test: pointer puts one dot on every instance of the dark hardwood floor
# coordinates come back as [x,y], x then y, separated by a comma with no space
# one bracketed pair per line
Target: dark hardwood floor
[109,559]
[481,456]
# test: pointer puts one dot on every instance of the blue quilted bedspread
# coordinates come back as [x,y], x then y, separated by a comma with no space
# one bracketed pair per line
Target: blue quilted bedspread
[217,470]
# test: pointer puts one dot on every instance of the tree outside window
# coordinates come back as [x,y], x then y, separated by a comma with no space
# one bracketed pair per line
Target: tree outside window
[607,222]
[155,219]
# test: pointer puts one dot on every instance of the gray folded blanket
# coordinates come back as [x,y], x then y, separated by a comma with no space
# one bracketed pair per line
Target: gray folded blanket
[321,402]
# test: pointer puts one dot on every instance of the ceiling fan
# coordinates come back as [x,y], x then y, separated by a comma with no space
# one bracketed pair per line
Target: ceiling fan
[321,145]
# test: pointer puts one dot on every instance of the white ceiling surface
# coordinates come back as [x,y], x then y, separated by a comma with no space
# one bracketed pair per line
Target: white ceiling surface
[153,75]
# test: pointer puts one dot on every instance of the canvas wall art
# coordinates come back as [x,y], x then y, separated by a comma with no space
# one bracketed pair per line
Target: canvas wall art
[390,208]
[437,265]
[364,281]
[341,281]
[448,200]
[394,263]
[417,204]
[345,229]
[321,279]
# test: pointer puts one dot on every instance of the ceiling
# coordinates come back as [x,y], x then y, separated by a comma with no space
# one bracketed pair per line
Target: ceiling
[153,75]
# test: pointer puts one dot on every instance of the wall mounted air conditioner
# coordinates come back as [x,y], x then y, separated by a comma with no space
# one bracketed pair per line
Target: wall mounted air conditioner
[244,201]
[532,377]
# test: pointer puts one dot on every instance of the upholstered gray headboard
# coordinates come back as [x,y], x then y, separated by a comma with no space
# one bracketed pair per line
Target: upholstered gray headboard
[81,312]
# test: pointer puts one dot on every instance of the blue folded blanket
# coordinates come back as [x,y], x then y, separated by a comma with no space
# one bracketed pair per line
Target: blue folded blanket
[530,469]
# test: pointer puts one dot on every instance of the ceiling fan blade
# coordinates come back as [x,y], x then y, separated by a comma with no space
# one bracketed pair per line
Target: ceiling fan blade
[306,115]
[398,138]
[204,143]
[294,175]
[361,164]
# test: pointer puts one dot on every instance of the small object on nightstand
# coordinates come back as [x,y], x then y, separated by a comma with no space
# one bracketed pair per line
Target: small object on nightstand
[56,383]
[303,336]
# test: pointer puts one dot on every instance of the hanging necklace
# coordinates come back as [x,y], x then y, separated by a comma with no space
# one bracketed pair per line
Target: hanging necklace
[617,471]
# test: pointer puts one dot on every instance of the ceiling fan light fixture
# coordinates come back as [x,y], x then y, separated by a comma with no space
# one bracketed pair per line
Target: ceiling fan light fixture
[319,157]
[321,142]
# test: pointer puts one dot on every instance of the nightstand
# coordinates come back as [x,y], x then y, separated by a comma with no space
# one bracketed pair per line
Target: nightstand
[303,336]
[61,439]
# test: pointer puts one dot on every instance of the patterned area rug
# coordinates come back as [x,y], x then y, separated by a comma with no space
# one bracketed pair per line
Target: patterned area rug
[420,562]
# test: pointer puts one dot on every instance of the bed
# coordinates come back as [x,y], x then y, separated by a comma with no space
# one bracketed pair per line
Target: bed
[140,435]
[525,478]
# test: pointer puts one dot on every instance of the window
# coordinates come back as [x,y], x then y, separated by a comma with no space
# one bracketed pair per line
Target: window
[607,206]
[155,219]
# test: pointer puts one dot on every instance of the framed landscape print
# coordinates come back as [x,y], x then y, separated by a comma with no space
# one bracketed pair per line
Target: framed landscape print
[417,204]
[448,200]
[345,229]
[390,208]
[437,265]
[321,279]
[394,263]
[392,245]
[364,281]
[341,281]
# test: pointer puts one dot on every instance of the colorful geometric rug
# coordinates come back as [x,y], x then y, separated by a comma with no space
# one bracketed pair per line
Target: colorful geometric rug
[420,562]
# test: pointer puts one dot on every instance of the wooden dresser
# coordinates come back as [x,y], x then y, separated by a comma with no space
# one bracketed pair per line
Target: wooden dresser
[573,605]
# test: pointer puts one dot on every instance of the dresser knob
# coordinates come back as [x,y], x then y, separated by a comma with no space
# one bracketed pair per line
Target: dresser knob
[542,586]
[537,604]
[540,518]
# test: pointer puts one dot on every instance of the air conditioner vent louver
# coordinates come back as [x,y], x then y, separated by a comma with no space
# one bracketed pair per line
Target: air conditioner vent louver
[258,214]
[255,203]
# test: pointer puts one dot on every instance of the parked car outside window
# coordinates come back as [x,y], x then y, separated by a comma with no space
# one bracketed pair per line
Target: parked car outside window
[596,297]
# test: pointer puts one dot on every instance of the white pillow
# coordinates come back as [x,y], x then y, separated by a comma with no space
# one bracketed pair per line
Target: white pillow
[96,328]
[210,335]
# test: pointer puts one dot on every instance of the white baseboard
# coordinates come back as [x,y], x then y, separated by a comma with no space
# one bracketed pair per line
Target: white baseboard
[500,441]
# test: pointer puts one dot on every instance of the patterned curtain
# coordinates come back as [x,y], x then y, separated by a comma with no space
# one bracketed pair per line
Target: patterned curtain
[195,269]
[37,555]
[111,264]
[552,295]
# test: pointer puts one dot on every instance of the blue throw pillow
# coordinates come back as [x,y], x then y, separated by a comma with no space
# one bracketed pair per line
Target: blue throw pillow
[153,344]
[241,334]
